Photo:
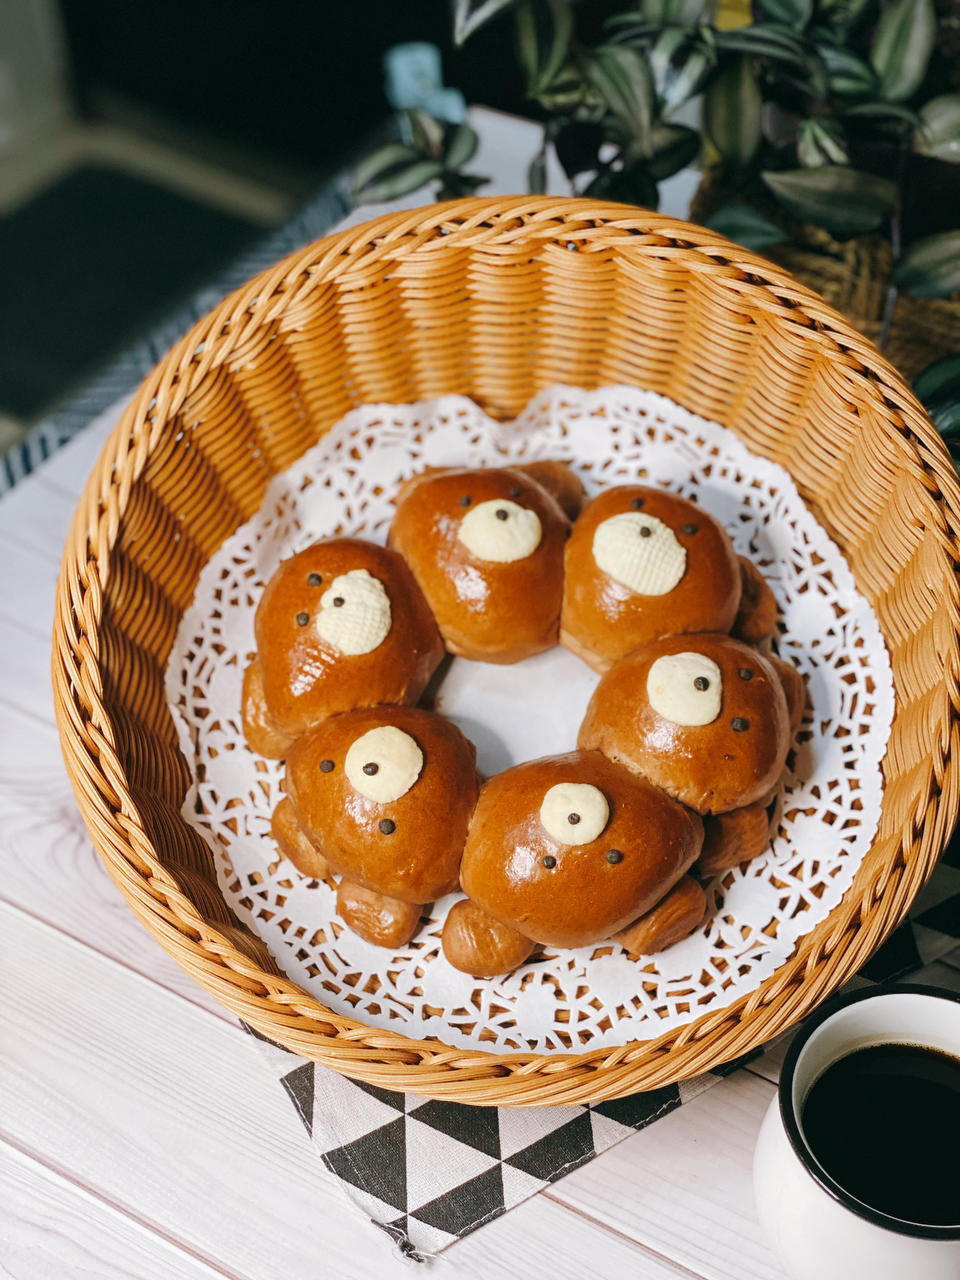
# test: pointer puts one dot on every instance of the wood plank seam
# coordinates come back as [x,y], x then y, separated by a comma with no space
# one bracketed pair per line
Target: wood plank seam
[225,1016]
[111,1206]
[642,1248]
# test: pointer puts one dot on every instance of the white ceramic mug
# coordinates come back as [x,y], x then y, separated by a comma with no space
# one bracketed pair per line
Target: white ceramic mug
[818,1229]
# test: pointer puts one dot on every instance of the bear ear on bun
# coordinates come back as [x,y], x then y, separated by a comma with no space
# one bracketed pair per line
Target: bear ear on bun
[642,563]
[704,717]
[486,548]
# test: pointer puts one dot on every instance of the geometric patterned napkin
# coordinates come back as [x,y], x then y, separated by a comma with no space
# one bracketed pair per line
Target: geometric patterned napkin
[429,1173]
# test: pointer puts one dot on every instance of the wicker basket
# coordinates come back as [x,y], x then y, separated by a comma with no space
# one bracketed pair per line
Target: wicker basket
[854,276]
[496,299]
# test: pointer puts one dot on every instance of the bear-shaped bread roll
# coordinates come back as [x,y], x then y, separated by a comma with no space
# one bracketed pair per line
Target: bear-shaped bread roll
[380,796]
[568,851]
[643,563]
[342,624]
[486,547]
[703,717]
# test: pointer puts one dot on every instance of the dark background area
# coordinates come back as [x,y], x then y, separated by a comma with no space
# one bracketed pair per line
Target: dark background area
[301,79]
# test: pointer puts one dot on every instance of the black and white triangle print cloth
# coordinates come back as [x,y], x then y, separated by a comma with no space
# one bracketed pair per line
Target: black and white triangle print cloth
[428,1173]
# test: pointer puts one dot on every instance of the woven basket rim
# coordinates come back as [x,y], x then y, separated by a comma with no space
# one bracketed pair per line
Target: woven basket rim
[273,1005]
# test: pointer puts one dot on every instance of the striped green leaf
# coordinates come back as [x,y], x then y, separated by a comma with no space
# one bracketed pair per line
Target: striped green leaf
[679,67]
[847,75]
[543,31]
[902,44]
[845,201]
[461,147]
[743,225]
[398,180]
[470,15]
[622,78]
[793,13]
[939,131]
[672,148]
[731,112]
[685,12]
[930,268]
[821,141]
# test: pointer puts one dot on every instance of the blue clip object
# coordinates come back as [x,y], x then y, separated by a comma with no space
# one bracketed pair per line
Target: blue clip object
[414,78]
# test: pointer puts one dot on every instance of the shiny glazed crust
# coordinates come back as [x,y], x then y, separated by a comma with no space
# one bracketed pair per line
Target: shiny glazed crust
[417,858]
[304,679]
[602,620]
[583,897]
[486,611]
[714,767]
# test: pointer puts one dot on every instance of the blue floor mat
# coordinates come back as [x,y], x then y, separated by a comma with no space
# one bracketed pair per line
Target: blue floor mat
[88,265]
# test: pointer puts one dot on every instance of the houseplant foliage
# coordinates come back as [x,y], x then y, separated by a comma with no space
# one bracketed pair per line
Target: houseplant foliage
[818,108]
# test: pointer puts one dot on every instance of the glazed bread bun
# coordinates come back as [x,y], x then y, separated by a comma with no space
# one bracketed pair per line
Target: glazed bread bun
[385,793]
[341,625]
[704,717]
[486,547]
[572,848]
[643,563]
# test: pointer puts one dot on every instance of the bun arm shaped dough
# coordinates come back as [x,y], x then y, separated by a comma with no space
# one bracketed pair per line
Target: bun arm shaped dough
[560,481]
[794,689]
[475,943]
[673,918]
[757,616]
[293,842]
[732,838]
[258,729]
[386,922]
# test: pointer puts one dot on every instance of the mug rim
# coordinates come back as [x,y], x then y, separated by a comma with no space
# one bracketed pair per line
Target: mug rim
[791,1121]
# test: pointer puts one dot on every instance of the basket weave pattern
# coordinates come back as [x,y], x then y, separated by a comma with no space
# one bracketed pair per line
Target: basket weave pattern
[497,299]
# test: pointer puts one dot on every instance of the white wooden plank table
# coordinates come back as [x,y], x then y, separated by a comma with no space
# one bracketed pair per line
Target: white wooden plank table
[141,1133]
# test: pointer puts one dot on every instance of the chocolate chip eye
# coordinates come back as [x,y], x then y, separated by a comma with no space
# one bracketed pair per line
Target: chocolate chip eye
[502,513]
[514,492]
[387,826]
[370,768]
[689,528]
[302,619]
[338,602]
[549,861]
[614,856]
[314,579]
[573,818]
[465,500]
[701,683]
[745,673]
[637,503]
[738,724]
[326,766]
[645,531]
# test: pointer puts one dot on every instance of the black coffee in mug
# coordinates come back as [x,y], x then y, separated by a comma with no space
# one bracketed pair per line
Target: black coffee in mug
[884,1125]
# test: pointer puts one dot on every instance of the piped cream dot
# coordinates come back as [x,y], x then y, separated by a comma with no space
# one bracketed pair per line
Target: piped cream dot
[500,531]
[354,614]
[640,552]
[396,756]
[686,688]
[574,812]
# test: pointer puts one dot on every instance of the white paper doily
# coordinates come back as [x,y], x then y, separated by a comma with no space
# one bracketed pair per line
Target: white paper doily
[567,1000]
